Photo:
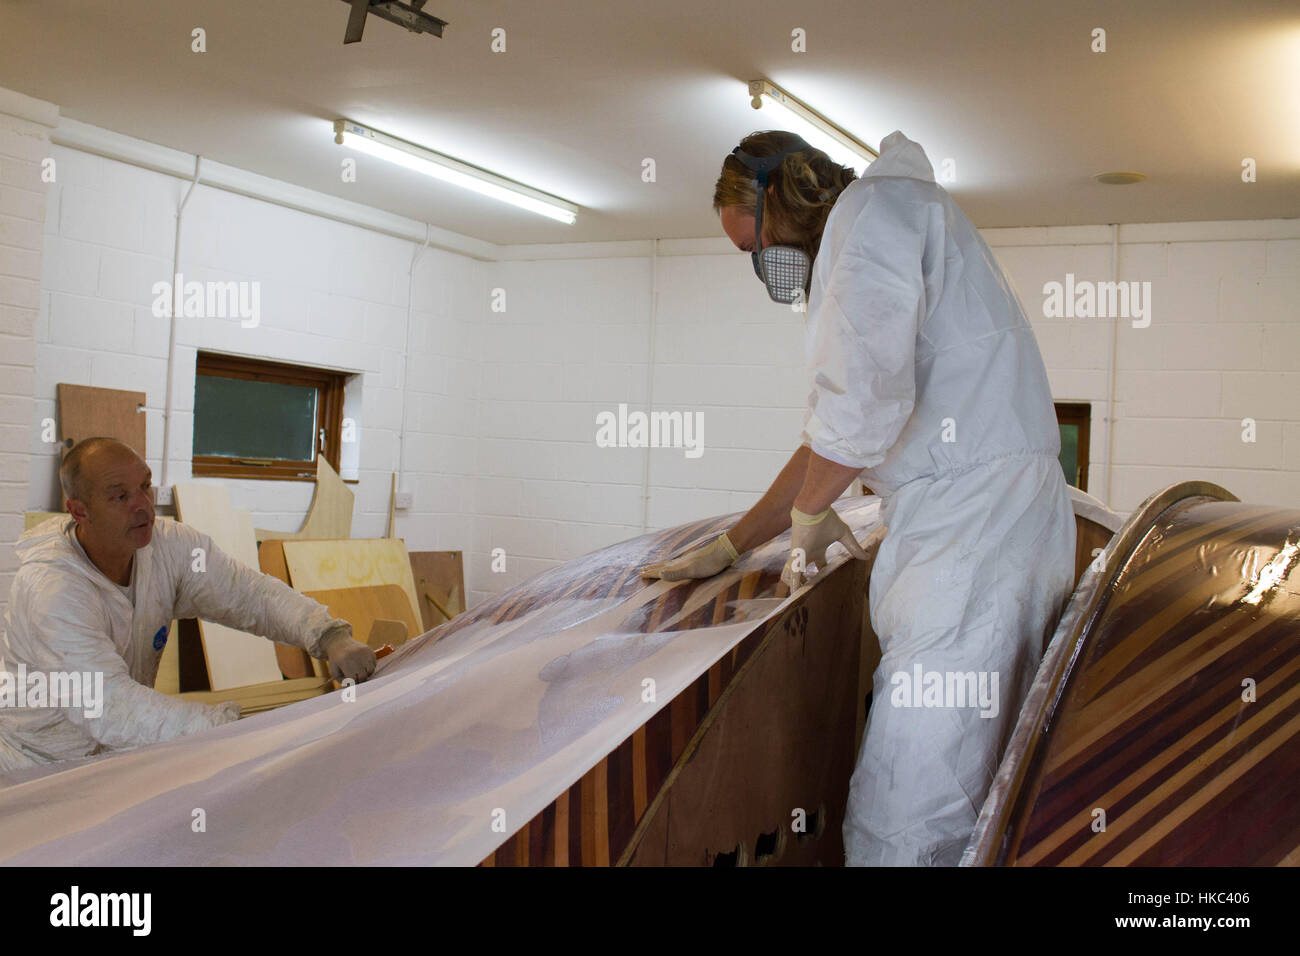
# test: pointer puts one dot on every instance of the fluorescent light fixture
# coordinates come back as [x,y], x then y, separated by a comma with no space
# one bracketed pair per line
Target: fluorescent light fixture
[375,143]
[798,117]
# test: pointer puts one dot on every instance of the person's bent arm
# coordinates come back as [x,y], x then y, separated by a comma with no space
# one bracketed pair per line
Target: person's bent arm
[824,482]
[227,592]
[814,524]
[770,515]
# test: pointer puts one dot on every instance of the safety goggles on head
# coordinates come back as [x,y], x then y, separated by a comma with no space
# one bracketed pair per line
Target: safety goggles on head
[783,269]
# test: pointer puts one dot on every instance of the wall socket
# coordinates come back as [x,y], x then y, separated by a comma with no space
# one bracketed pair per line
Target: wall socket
[163,496]
[403,501]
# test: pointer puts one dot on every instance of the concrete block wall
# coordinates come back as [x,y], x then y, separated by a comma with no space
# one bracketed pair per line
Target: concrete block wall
[1222,347]
[25,124]
[561,340]
[439,403]
[332,295]
[573,342]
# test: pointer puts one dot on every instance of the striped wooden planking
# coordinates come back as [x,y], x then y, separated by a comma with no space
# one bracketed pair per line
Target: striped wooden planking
[1145,749]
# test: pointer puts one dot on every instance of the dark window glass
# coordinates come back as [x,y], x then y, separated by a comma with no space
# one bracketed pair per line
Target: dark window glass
[239,418]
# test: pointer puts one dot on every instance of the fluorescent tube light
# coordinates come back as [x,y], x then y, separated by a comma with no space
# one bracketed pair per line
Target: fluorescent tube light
[375,143]
[798,117]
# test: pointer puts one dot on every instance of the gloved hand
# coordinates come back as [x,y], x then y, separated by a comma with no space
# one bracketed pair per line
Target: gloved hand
[702,562]
[811,535]
[230,711]
[346,656]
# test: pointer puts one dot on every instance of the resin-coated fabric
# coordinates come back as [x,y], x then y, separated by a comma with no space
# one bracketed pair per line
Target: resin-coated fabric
[65,615]
[461,737]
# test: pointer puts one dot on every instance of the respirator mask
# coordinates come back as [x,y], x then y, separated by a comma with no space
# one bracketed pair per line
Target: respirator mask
[783,269]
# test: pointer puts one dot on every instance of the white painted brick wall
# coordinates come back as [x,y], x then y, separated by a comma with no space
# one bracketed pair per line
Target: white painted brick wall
[24,143]
[1223,345]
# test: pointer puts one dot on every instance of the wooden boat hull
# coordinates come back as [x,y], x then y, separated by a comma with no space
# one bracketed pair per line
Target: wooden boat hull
[1164,726]
[761,744]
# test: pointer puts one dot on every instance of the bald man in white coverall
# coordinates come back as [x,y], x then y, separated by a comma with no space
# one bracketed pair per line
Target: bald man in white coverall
[926,382]
[95,593]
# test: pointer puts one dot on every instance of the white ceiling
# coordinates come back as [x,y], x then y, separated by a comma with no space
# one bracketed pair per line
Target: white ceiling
[589,88]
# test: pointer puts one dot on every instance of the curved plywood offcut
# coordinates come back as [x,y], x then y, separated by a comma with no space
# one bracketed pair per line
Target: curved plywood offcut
[330,514]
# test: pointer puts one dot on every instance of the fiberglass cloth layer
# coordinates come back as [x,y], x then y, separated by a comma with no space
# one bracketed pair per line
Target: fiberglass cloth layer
[456,742]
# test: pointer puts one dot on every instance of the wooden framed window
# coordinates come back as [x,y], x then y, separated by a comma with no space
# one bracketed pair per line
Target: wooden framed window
[1075,422]
[258,419]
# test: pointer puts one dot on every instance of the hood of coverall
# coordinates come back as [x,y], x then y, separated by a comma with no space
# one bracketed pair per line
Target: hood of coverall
[48,543]
[900,156]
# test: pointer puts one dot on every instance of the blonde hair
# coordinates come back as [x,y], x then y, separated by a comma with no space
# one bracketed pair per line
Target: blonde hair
[805,187]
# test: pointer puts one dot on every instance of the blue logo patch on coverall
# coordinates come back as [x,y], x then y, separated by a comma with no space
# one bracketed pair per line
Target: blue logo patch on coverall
[160,639]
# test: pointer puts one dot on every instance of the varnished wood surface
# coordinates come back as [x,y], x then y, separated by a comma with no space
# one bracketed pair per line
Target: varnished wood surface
[1153,734]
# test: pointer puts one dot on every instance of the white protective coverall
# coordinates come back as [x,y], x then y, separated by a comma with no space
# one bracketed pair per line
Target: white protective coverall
[65,615]
[926,375]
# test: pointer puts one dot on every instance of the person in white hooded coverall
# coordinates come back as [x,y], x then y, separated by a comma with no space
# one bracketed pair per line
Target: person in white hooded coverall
[95,593]
[926,381]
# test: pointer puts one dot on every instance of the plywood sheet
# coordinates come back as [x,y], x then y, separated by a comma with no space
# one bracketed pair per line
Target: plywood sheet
[256,698]
[439,575]
[32,518]
[270,557]
[294,661]
[362,606]
[330,514]
[86,412]
[383,633]
[234,658]
[357,562]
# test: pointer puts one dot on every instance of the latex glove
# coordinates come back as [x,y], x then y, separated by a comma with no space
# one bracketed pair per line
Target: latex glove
[348,657]
[702,562]
[810,536]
